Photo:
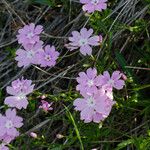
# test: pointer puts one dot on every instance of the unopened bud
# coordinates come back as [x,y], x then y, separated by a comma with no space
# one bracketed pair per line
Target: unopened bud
[59,136]
[124,77]
[100,38]
[34,135]
[43,97]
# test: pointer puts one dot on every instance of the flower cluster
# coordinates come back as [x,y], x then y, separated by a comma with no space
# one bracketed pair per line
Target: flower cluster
[9,123]
[83,40]
[19,90]
[33,51]
[97,92]
[46,106]
[93,5]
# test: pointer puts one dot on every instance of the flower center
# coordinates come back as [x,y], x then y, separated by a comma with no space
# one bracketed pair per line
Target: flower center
[111,82]
[21,96]
[95,2]
[83,42]
[47,58]
[9,124]
[30,35]
[30,54]
[90,83]
[90,102]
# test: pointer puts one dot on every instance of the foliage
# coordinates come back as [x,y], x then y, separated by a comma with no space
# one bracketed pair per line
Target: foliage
[125,47]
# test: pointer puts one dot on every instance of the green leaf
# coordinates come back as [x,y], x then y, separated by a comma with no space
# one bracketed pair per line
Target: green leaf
[124,144]
[57,148]
[141,87]
[120,58]
[75,126]
[44,2]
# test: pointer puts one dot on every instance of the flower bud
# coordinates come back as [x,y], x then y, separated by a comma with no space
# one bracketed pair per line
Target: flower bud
[34,135]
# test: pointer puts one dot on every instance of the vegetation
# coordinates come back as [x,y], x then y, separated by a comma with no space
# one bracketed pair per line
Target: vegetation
[125,28]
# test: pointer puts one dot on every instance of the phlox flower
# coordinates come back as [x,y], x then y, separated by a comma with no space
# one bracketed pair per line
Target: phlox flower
[46,106]
[9,125]
[48,57]
[94,107]
[19,89]
[3,146]
[29,34]
[28,55]
[113,81]
[93,5]
[88,82]
[83,40]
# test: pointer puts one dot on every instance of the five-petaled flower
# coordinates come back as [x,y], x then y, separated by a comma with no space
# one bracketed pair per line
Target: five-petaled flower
[29,55]
[9,125]
[112,82]
[83,40]
[19,89]
[29,34]
[48,56]
[88,82]
[93,5]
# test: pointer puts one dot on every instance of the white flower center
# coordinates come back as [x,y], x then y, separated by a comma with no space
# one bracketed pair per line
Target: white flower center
[90,83]
[47,58]
[21,96]
[95,2]
[30,35]
[83,42]
[90,102]
[9,124]
[30,54]
[111,82]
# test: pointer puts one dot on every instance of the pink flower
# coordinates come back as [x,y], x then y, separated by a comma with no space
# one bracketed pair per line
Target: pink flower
[113,81]
[3,146]
[45,106]
[28,55]
[83,40]
[48,56]
[94,108]
[19,89]
[88,81]
[93,5]
[9,125]
[29,34]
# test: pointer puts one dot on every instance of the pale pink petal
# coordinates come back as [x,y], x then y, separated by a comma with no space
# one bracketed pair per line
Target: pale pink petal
[91,73]
[86,50]
[116,75]
[79,104]
[101,6]
[119,84]
[89,8]
[94,41]
[87,114]
[97,117]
